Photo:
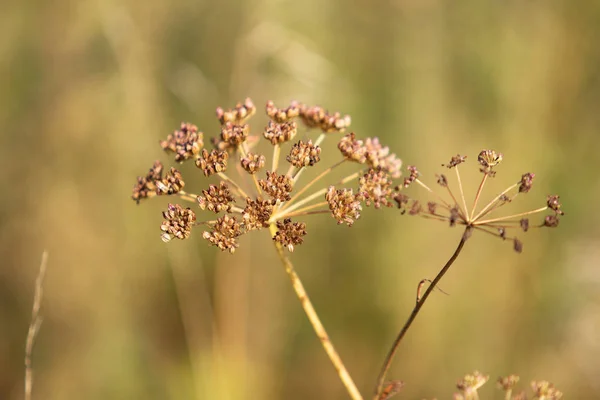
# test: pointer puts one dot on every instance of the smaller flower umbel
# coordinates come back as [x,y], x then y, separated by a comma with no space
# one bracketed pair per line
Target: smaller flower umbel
[454,209]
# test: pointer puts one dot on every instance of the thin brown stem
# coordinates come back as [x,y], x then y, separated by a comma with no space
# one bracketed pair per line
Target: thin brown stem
[276,153]
[390,356]
[34,326]
[316,322]
[187,196]
[301,211]
[486,221]
[440,198]
[462,193]
[235,185]
[315,180]
[479,190]
[493,202]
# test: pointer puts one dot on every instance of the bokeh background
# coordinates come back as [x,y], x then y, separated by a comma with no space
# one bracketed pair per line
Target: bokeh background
[89,87]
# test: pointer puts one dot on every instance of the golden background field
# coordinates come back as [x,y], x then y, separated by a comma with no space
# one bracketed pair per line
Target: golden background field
[89,87]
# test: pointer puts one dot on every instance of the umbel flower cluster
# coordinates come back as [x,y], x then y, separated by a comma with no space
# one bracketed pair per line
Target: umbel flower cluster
[454,208]
[471,383]
[260,193]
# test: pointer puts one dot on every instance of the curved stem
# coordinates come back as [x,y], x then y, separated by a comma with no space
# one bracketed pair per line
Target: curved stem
[388,360]
[316,322]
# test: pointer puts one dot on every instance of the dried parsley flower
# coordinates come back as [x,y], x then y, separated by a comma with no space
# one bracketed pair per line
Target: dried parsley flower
[304,154]
[172,182]
[469,385]
[344,205]
[252,163]
[277,186]
[317,117]
[376,188]
[257,213]
[455,161]
[281,115]
[216,198]
[290,234]
[488,159]
[379,156]
[233,134]
[507,383]
[145,186]
[238,114]
[213,162]
[544,390]
[526,182]
[224,234]
[185,142]
[413,175]
[280,133]
[353,149]
[177,222]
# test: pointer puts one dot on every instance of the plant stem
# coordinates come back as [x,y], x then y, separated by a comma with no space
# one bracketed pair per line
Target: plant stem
[486,221]
[491,203]
[315,180]
[388,360]
[485,175]
[316,322]
[462,193]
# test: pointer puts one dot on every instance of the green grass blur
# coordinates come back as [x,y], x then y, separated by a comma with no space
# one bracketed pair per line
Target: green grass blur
[89,87]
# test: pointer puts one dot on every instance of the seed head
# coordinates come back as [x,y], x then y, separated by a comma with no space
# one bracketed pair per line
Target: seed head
[414,174]
[277,186]
[233,135]
[545,390]
[344,205]
[213,162]
[257,213]
[290,234]
[352,148]
[237,115]
[253,163]
[281,115]
[216,198]
[280,133]
[185,143]
[375,187]
[517,245]
[442,180]
[524,224]
[507,383]
[172,182]
[177,222]
[526,182]
[551,221]
[379,156]
[488,159]
[471,383]
[145,187]
[304,154]
[317,117]
[454,161]
[554,204]
[224,233]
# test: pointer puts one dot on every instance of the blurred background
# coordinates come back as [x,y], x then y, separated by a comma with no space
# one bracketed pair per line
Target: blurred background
[90,87]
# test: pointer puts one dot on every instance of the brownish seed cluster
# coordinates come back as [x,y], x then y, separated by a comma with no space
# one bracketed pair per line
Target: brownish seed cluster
[185,142]
[234,135]
[290,234]
[216,198]
[281,115]
[471,383]
[257,213]
[212,162]
[237,115]
[353,149]
[172,182]
[413,175]
[253,163]
[278,133]
[304,154]
[488,159]
[454,161]
[526,182]
[318,117]
[508,382]
[344,205]
[545,390]
[371,152]
[178,222]
[224,234]
[277,186]
[375,187]
[145,187]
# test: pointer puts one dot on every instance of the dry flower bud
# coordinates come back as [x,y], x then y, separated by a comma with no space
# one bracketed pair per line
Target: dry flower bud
[277,186]
[224,233]
[317,117]
[253,163]
[172,182]
[471,383]
[517,245]
[551,221]
[379,156]
[375,187]
[352,148]
[216,198]
[257,213]
[344,206]
[545,390]
[178,222]
[526,182]
[507,383]
[414,174]
[454,161]
[442,180]
[280,115]
[488,159]
[145,187]
[213,162]
[280,133]
[290,234]
[237,115]
[554,204]
[304,154]
[454,216]
[432,207]
[233,135]
[185,143]
[524,224]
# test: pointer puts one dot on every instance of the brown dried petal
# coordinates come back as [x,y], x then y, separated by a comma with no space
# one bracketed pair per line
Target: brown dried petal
[379,156]
[524,224]
[413,175]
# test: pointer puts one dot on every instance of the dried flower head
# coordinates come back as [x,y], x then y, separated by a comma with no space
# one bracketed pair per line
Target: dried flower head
[290,234]
[177,222]
[185,142]
[544,390]
[304,154]
[257,213]
[344,205]
[376,187]
[317,117]
[413,175]
[224,233]
[172,182]
[353,149]
[277,186]
[278,133]
[281,115]
[379,156]
[216,198]
[213,162]
[252,163]
[237,115]
[145,186]
[454,208]
[234,135]
[507,383]
[471,383]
